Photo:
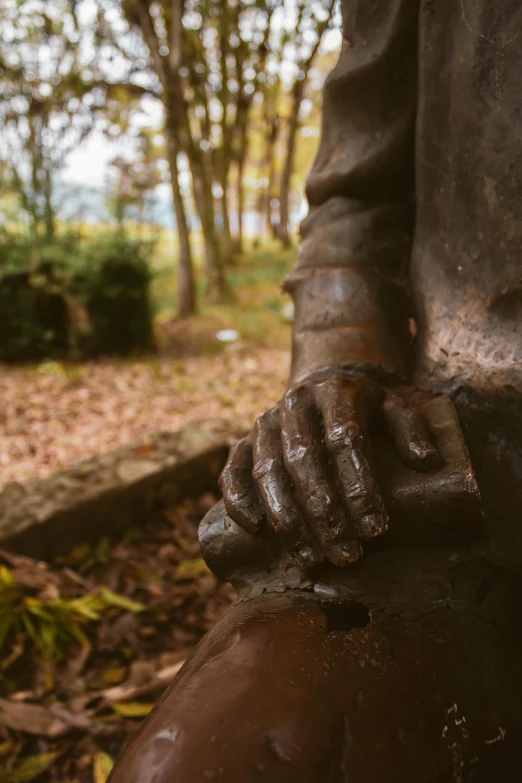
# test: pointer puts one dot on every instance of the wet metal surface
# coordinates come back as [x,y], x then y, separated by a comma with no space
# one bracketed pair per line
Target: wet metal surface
[403,666]
[287,688]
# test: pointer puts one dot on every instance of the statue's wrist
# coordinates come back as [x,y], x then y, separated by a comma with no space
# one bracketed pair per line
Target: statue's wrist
[355,370]
[347,317]
[355,352]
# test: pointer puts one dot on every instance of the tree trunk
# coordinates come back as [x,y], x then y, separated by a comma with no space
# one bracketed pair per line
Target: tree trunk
[271,185]
[226,243]
[241,156]
[240,201]
[214,266]
[49,216]
[288,169]
[271,154]
[186,284]
[179,132]
[291,142]
[260,203]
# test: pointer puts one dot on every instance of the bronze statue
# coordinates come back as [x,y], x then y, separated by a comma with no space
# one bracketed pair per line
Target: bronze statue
[406,664]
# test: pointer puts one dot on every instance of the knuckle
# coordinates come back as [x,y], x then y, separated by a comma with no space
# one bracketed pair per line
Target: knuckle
[269,466]
[238,500]
[239,457]
[234,497]
[225,478]
[265,421]
[238,451]
[359,493]
[321,503]
[296,457]
[262,422]
[340,391]
[295,396]
[343,435]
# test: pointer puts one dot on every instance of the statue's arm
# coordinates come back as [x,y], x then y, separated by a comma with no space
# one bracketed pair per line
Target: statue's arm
[351,282]
[307,468]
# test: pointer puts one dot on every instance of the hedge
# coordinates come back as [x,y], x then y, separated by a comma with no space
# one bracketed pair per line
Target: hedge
[74,299]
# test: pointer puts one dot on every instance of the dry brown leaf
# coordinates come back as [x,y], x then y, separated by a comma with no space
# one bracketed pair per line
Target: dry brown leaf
[31,718]
[126,692]
[119,402]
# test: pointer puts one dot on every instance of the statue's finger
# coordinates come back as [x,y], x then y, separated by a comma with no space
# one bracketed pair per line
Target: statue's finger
[276,492]
[239,491]
[347,441]
[410,434]
[306,462]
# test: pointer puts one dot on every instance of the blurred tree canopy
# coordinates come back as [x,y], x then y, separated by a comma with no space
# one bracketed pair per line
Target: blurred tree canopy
[46,106]
[235,80]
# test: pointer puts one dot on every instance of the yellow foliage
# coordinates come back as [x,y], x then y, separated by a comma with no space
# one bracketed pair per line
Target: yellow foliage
[101,767]
[132,709]
[29,768]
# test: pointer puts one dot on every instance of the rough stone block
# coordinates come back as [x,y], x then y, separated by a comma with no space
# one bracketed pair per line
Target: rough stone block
[109,493]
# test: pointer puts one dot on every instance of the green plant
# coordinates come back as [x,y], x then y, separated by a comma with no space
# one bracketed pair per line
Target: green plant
[51,625]
[34,319]
[112,280]
[74,297]
[29,768]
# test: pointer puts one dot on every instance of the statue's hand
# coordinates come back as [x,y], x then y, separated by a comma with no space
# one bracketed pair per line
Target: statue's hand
[307,466]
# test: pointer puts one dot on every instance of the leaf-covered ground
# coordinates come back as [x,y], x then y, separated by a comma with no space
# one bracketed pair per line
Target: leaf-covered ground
[87,644]
[66,707]
[54,414]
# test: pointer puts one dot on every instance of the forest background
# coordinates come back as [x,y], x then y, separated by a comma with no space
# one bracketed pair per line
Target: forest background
[153,157]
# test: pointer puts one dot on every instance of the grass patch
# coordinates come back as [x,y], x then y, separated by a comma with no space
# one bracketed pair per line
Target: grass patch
[49,623]
[255,305]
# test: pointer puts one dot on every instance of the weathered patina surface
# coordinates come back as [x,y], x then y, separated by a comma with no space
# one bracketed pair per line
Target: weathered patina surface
[295,687]
[410,273]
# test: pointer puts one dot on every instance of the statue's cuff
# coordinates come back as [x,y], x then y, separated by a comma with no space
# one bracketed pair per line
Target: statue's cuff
[347,316]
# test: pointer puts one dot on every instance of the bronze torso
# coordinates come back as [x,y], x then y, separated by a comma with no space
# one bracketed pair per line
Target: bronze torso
[417,181]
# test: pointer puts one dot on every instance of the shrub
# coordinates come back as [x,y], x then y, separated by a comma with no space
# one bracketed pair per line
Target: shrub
[34,318]
[74,298]
[113,283]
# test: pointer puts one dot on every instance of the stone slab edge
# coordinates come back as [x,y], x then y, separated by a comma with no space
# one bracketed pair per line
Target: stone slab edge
[109,493]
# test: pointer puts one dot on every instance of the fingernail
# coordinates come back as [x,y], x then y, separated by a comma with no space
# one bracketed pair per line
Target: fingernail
[373,525]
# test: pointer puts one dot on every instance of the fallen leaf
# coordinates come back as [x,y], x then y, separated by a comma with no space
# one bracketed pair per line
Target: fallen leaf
[31,718]
[29,768]
[132,709]
[114,676]
[192,569]
[118,403]
[101,767]
[5,747]
[122,693]
[120,601]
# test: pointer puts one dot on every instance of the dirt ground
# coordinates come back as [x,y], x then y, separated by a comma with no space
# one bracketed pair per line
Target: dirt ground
[53,415]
